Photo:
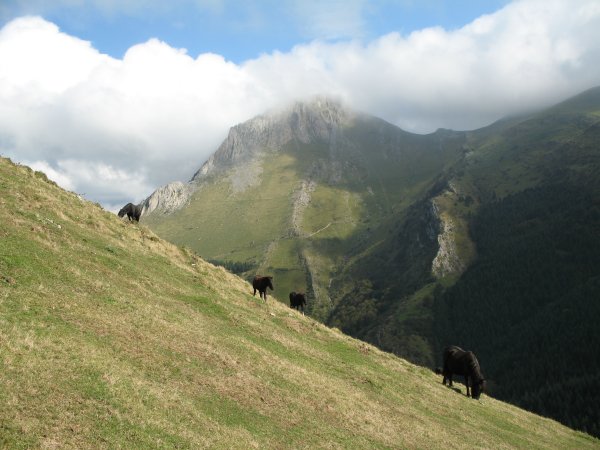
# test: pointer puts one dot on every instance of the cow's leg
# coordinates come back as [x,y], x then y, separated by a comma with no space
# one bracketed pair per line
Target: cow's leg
[467,384]
[254,294]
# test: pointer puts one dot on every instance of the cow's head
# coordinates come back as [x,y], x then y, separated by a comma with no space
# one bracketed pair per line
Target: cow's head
[478,388]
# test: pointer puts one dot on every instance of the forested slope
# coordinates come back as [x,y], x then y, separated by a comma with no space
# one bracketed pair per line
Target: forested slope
[530,302]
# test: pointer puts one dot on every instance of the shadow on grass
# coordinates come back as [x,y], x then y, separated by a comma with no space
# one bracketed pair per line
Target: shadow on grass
[455,389]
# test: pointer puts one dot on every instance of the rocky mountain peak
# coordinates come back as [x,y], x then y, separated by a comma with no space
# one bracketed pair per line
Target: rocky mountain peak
[303,121]
[168,198]
[317,119]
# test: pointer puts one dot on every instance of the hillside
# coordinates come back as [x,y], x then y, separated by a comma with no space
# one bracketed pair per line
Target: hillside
[111,337]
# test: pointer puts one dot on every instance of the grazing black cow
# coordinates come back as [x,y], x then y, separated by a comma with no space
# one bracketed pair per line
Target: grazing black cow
[297,301]
[133,212]
[261,284]
[460,362]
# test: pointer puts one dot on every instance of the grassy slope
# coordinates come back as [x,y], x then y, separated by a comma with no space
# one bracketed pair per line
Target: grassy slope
[111,337]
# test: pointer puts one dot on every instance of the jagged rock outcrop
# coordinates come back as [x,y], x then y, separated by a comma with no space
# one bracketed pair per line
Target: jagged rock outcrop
[456,249]
[447,261]
[168,199]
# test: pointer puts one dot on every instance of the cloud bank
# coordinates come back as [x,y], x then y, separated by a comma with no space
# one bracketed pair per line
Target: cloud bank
[116,129]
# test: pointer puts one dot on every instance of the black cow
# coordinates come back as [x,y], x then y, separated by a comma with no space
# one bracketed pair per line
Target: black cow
[261,284]
[297,301]
[460,362]
[133,212]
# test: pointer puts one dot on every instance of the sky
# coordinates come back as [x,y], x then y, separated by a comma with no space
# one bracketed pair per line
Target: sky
[115,98]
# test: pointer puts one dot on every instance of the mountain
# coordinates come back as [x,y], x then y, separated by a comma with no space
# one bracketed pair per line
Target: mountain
[306,187]
[113,338]
[487,239]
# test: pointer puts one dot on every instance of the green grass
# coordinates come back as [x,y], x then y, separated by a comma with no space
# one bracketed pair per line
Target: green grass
[112,338]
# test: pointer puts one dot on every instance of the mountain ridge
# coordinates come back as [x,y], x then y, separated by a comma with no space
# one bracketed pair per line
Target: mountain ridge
[301,120]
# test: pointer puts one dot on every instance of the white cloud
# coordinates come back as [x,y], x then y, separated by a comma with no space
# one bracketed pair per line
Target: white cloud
[52,173]
[39,60]
[88,178]
[115,129]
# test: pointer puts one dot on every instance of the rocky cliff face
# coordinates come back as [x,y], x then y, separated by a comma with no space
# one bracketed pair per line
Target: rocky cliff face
[456,249]
[304,122]
[168,199]
[447,261]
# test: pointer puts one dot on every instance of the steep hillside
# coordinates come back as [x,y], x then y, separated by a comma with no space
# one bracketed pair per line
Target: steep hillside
[112,338]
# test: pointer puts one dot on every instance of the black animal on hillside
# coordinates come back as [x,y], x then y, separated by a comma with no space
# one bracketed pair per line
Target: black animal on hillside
[297,301]
[460,362]
[133,212]
[261,284]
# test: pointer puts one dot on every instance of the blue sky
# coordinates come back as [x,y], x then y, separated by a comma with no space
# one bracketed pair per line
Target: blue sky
[242,30]
[100,95]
